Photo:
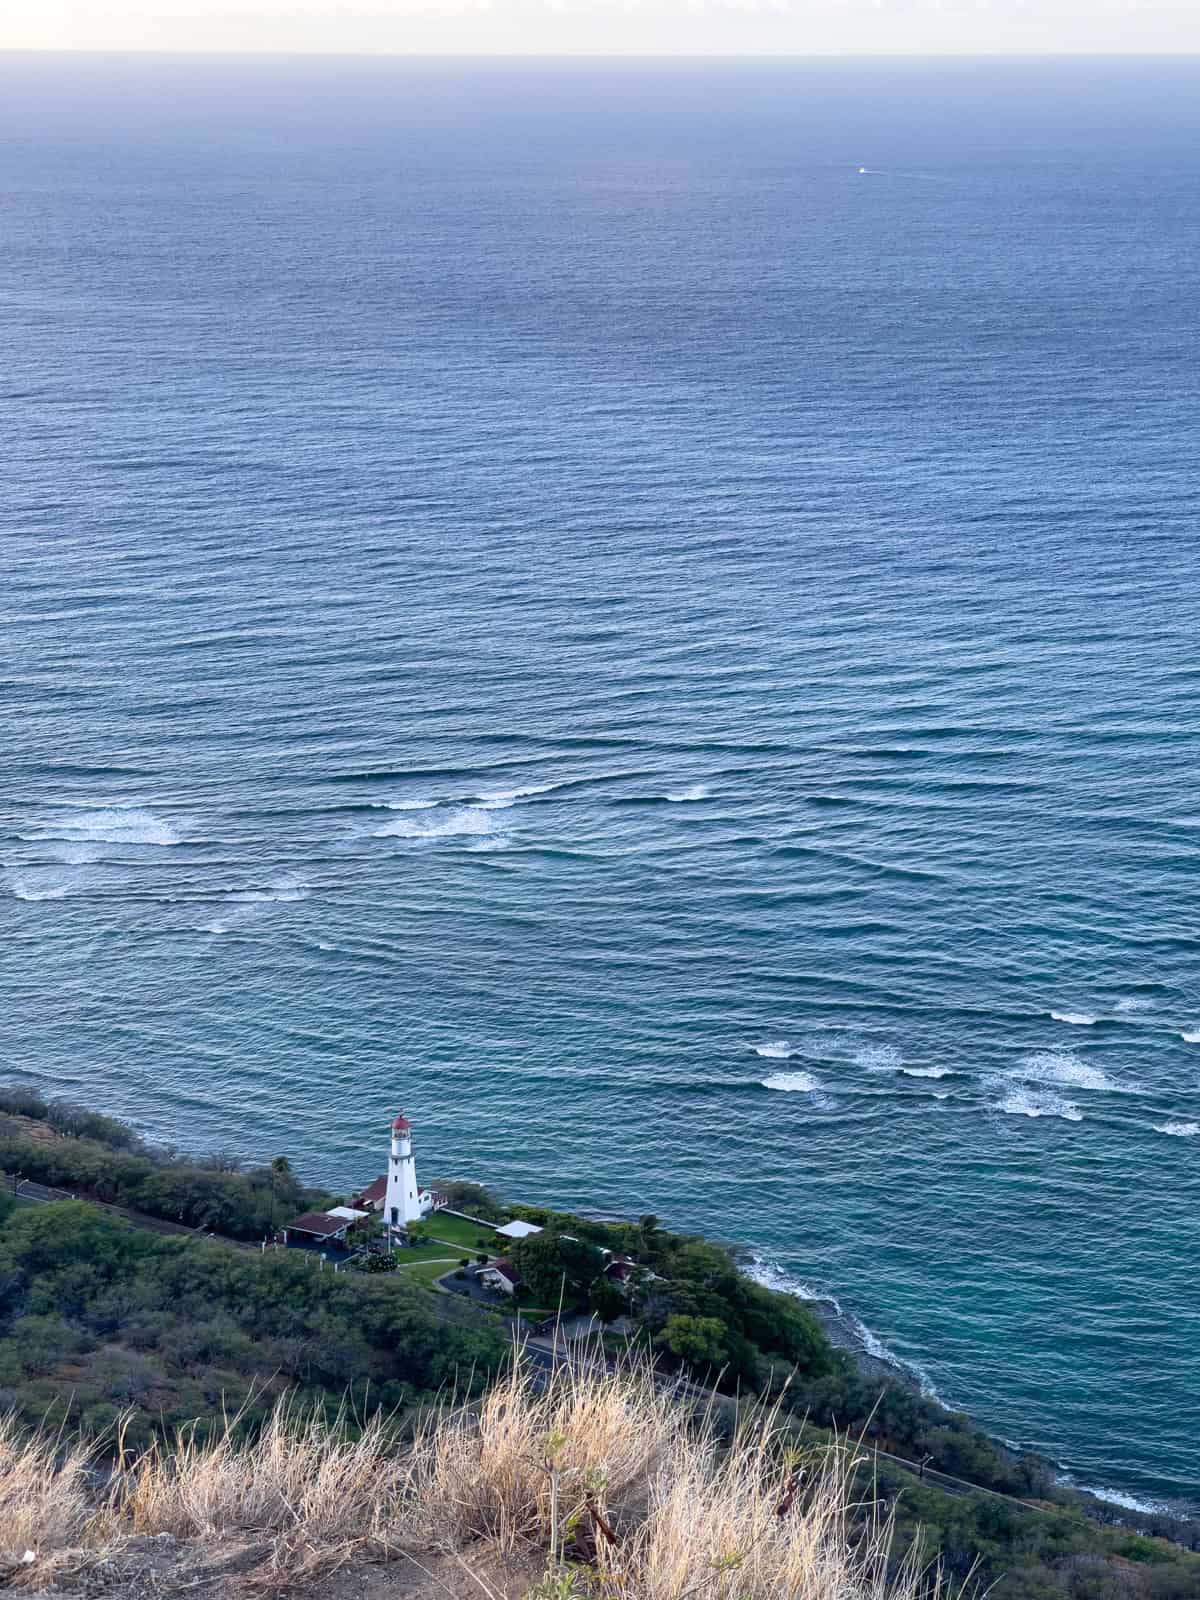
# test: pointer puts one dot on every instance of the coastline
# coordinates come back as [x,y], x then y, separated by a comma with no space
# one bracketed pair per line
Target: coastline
[873,1360]
[869,1358]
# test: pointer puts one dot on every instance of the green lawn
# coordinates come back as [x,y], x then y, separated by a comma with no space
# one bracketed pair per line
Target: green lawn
[427,1271]
[426,1250]
[460,1233]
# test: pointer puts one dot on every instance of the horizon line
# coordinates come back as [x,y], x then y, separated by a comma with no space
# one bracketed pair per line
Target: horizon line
[272,53]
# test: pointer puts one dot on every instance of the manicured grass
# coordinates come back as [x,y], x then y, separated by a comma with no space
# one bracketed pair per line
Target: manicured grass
[457,1231]
[425,1251]
[427,1271]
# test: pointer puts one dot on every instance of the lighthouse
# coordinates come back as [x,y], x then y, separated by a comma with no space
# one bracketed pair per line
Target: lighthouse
[402,1203]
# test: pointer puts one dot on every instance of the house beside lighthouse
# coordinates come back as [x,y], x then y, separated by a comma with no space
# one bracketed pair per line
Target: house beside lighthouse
[396,1197]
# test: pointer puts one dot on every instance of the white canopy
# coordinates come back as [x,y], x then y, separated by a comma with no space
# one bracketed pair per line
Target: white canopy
[518,1230]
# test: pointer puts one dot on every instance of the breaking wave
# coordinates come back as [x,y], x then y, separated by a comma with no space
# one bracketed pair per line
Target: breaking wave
[1052,1066]
[926,1072]
[776,1050]
[1039,1103]
[697,791]
[115,825]
[1180,1130]
[28,889]
[1118,1497]
[843,1327]
[501,799]
[436,823]
[878,1058]
[1191,1036]
[791,1082]
[1078,1019]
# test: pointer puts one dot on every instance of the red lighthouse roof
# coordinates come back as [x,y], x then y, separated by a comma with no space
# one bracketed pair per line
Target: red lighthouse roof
[400,1124]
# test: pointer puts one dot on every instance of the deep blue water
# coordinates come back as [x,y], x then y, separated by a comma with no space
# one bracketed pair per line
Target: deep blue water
[541,595]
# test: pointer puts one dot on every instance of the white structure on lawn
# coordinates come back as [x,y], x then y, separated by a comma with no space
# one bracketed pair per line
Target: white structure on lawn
[403,1201]
[518,1230]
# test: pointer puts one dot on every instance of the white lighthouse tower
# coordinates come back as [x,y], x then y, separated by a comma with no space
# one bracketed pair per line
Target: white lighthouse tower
[402,1203]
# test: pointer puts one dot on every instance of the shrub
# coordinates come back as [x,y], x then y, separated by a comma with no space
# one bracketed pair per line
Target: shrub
[20,1101]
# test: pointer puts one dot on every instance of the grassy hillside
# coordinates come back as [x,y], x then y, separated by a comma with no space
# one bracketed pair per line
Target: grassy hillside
[99,1321]
[597,1484]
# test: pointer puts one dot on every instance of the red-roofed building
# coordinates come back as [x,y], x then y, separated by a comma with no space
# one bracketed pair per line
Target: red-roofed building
[620,1269]
[323,1227]
[373,1196]
[500,1275]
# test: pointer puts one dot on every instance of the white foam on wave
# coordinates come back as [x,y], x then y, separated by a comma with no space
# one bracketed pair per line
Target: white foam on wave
[1118,1497]
[791,1082]
[1039,1103]
[941,1094]
[772,1276]
[926,1072]
[215,927]
[33,889]
[878,1057]
[114,825]
[1190,1036]
[1077,1019]
[486,845]
[695,791]
[501,799]
[1179,1130]
[76,855]
[1133,1004]
[775,1050]
[1055,1066]
[405,805]
[439,823]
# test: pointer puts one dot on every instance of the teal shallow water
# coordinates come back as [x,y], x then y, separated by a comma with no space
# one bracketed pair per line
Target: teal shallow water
[542,597]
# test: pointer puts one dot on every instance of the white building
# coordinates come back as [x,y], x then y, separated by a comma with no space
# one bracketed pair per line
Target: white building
[518,1230]
[403,1201]
[499,1275]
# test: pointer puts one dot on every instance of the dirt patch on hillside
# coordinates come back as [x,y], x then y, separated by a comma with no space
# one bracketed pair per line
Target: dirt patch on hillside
[237,1568]
[13,1126]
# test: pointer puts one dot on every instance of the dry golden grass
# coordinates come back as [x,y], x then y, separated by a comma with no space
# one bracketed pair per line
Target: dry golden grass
[524,1463]
[48,1508]
[298,1472]
[753,1522]
[593,1463]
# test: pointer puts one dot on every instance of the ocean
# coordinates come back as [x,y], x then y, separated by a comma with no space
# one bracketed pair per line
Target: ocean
[544,595]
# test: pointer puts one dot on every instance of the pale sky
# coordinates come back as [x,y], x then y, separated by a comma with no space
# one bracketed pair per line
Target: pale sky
[659,27]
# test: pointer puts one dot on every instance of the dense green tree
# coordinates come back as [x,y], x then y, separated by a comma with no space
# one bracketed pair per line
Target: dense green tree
[607,1301]
[240,1205]
[472,1198]
[698,1340]
[553,1266]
